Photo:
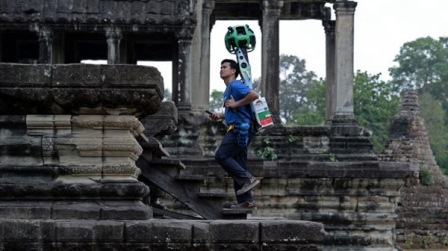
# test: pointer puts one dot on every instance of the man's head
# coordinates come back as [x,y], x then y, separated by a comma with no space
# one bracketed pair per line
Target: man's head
[229,66]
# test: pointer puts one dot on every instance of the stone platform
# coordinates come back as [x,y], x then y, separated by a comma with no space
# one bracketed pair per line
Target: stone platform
[256,234]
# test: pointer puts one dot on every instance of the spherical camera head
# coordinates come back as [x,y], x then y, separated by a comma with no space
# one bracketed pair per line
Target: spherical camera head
[239,37]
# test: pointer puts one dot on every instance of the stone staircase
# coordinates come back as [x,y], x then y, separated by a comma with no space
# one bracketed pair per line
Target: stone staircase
[161,172]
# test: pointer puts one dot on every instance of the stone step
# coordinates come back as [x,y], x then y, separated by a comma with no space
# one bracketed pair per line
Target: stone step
[207,195]
[172,214]
[190,177]
[231,213]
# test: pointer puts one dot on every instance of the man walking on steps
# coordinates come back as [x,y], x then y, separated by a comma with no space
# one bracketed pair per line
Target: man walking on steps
[232,152]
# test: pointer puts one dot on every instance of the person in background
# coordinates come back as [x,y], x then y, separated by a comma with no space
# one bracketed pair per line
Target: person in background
[231,155]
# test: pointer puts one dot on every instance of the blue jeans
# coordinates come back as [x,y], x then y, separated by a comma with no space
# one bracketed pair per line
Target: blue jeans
[233,159]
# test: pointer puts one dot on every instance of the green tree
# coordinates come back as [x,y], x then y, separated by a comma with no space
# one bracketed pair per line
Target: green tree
[313,111]
[434,116]
[423,65]
[216,100]
[298,93]
[295,82]
[375,104]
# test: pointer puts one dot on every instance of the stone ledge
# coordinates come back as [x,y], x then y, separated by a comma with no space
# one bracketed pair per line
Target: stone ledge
[256,234]
[80,89]
[309,169]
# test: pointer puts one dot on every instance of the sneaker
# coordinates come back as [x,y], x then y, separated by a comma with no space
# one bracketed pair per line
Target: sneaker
[251,183]
[245,205]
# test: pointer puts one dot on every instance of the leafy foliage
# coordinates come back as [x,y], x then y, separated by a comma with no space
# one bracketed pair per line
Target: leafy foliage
[267,151]
[423,65]
[302,96]
[420,62]
[313,111]
[295,82]
[375,104]
[216,100]
[434,116]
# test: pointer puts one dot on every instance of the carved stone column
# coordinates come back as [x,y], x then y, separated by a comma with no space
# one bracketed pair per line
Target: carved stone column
[45,46]
[346,137]
[201,58]
[182,96]
[330,91]
[345,11]
[114,37]
[270,70]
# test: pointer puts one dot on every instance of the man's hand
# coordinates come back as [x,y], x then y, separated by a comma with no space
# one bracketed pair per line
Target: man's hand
[249,98]
[215,116]
[230,103]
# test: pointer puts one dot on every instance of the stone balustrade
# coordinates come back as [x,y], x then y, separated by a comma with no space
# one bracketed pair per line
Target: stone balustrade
[79,89]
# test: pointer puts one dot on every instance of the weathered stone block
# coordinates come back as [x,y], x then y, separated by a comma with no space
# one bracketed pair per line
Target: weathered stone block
[132,76]
[291,232]
[163,122]
[74,246]
[25,210]
[21,230]
[125,211]
[167,231]
[76,210]
[78,231]
[76,75]
[23,75]
[109,231]
[200,235]
[238,231]
[23,245]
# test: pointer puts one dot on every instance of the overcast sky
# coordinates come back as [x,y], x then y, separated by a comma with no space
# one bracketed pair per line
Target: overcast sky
[381,28]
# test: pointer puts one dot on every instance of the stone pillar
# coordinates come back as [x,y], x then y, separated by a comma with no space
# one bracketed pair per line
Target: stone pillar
[58,48]
[183,93]
[45,46]
[205,55]
[330,87]
[200,94]
[270,70]
[346,137]
[114,37]
[345,11]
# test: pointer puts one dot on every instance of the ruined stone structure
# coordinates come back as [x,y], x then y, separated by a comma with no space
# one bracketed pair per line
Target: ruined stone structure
[86,163]
[69,144]
[422,208]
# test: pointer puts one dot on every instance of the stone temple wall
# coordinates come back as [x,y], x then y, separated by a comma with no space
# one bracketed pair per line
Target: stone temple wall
[318,176]
[70,136]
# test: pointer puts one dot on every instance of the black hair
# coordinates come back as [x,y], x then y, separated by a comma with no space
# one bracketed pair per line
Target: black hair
[233,65]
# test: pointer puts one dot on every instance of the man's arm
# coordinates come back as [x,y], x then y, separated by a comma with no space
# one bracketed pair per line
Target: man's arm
[249,98]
